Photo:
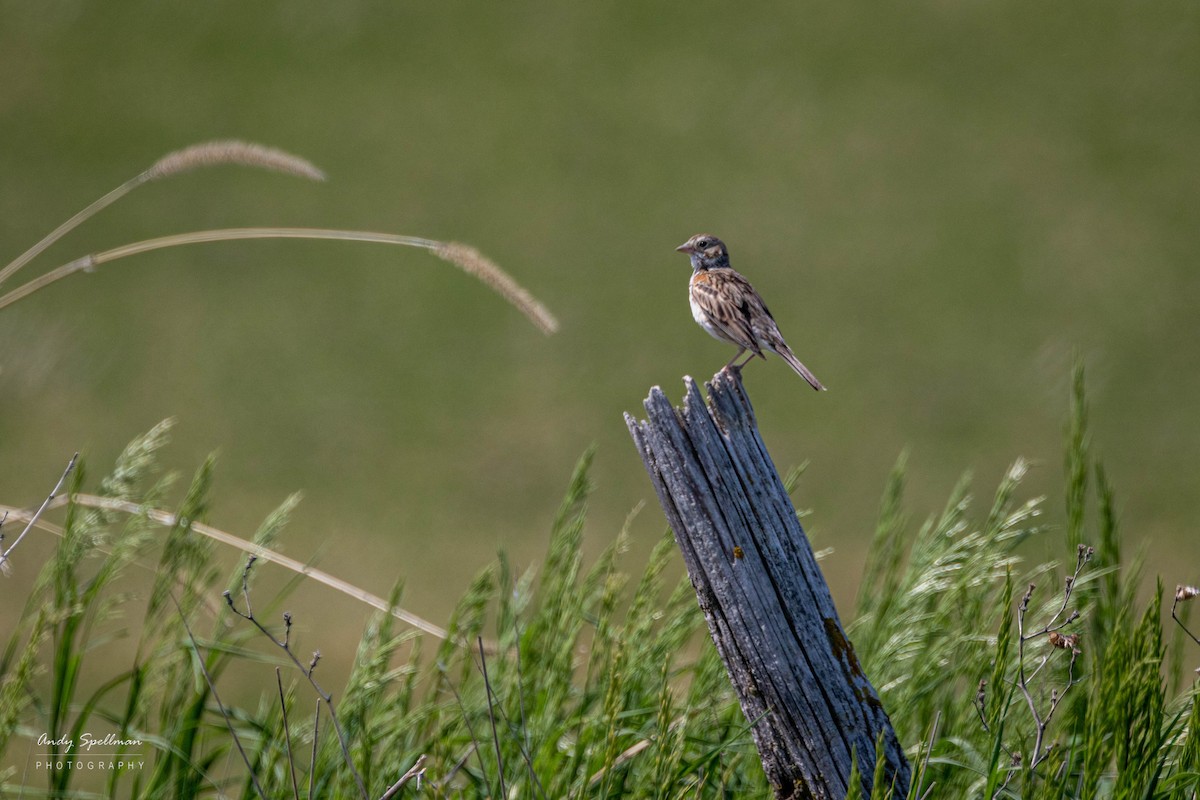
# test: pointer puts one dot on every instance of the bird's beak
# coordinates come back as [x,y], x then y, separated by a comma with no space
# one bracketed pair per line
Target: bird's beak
[686,247]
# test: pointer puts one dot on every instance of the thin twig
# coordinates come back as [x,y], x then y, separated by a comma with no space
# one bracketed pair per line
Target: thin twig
[979,704]
[924,765]
[312,767]
[1050,630]
[981,707]
[415,771]
[487,685]
[629,753]
[1182,595]
[285,645]
[459,764]
[41,509]
[474,738]
[212,687]
[287,734]
[526,744]
[1014,764]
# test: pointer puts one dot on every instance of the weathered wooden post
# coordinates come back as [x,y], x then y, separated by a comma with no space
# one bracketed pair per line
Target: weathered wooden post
[768,607]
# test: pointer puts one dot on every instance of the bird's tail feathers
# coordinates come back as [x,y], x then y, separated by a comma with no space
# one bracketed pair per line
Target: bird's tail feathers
[787,355]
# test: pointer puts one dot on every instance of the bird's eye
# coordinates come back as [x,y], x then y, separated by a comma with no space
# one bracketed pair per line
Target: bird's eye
[703,244]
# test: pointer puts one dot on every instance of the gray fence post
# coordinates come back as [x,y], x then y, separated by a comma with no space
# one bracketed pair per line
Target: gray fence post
[768,607]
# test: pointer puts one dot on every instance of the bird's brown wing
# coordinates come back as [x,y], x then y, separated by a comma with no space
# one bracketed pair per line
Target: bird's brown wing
[731,304]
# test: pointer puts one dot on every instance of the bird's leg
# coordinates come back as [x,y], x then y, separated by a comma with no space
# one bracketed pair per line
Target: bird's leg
[730,365]
[749,358]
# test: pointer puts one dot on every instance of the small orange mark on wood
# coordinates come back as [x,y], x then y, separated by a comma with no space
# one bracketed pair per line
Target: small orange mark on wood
[739,553]
[842,649]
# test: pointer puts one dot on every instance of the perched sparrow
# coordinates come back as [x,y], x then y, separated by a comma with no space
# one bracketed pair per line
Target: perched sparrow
[726,305]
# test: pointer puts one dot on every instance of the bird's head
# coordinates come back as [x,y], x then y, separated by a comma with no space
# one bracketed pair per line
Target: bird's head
[706,252]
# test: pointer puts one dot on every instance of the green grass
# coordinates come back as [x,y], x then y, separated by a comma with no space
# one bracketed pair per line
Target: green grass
[937,200]
[578,680]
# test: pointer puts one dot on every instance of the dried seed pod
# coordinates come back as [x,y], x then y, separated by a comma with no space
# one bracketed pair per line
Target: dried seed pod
[1069,642]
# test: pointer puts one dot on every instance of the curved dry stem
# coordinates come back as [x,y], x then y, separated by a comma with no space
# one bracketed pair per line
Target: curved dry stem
[207,154]
[70,225]
[34,517]
[463,256]
[168,519]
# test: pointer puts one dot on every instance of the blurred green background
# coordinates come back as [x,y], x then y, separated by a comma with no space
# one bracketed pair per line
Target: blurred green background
[940,201]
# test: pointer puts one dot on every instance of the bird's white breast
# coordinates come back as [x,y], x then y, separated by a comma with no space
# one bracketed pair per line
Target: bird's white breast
[701,317]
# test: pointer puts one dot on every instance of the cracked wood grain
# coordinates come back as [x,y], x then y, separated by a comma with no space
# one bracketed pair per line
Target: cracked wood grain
[768,608]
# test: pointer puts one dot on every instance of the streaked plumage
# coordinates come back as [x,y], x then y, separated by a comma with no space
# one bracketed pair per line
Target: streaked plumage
[727,306]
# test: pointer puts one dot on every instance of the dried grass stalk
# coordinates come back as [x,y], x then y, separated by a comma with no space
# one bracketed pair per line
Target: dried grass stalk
[198,155]
[248,154]
[463,256]
[168,519]
[231,151]
[475,263]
